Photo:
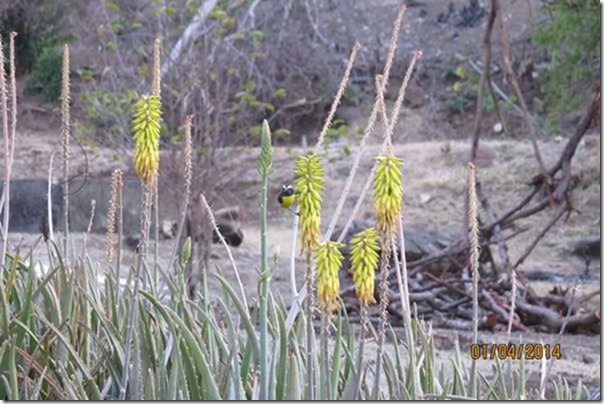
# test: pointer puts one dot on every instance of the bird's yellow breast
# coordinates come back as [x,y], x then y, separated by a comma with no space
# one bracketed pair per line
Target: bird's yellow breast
[287,201]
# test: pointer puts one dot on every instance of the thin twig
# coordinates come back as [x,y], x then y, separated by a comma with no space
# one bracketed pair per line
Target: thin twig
[400,98]
[188,174]
[370,122]
[292,259]
[90,223]
[338,97]
[206,206]
[512,304]
[541,234]
[13,94]
[49,200]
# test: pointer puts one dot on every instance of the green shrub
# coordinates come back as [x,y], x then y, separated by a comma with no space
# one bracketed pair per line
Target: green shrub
[572,41]
[45,78]
[38,23]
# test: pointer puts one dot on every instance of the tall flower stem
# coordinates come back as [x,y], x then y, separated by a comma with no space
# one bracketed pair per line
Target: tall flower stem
[147,202]
[6,190]
[156,91]
[264,169]
[310,344]
[403,284]
[473,231]
[383,318]
[328,262]
[65,133]
[473,242]
[188,174]
[326,322]
[362,333]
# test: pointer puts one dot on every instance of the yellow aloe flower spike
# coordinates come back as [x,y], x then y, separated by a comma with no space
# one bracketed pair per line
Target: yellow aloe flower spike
[145,127]
[329,260]
[309,184]
[388,193]
[364,261]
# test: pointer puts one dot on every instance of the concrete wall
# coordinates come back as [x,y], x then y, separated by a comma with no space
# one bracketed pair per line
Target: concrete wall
[28,205]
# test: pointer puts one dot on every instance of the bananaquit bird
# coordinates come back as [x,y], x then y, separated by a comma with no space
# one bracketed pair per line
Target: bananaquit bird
[287,197]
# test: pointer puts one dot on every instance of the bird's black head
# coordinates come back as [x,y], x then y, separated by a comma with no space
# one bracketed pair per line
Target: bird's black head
[287,190]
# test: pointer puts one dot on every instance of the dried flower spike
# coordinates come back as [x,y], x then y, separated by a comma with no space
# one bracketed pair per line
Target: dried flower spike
[388,191]
[112,238]
[309,184]
[364,261]
[146,126]
[329,260]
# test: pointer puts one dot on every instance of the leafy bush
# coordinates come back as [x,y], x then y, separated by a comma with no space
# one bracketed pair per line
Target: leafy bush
[104,113]
[572,41]
[38,24]
[45,77]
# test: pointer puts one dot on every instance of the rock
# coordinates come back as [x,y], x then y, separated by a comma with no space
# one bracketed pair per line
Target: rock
[485,156]
[588,246]
[132,242]
[419,242]
[424,198]
[231,232]
[165,230]
[29,207]
[587,359]
[227,221]
[591,141]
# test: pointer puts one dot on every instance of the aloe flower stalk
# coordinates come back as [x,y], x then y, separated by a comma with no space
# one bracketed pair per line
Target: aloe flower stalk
[309,184]
[329,261]
[364,262]
[146,126]
[264,169]
[388,193]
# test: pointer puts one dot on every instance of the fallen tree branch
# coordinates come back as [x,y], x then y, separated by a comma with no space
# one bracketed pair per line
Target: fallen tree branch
[542,233]
[554,322]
